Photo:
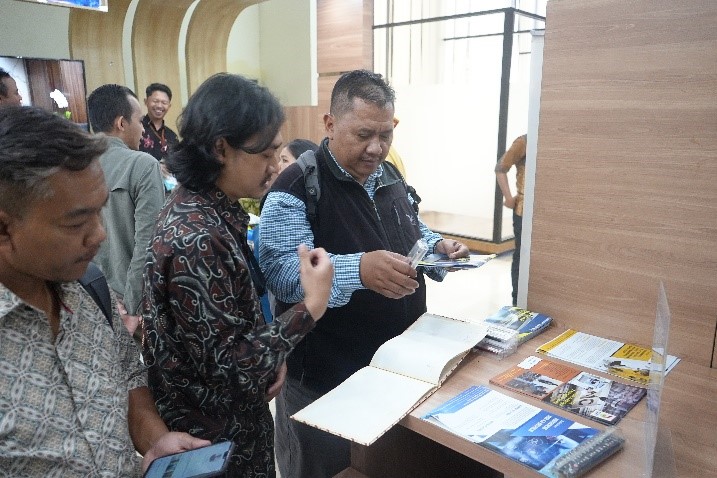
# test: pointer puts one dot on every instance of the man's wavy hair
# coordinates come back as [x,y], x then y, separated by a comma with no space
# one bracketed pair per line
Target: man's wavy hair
[225,106]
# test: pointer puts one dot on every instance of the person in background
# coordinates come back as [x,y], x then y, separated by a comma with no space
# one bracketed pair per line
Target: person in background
[288,155]
[9,94]
[293,150]
[393,156]
[158,139]
[515,156]
[213,361]
[73,394]
[136,195]
[368,223]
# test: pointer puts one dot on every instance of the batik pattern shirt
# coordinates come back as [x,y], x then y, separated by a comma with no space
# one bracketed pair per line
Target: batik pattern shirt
[157,142]
[64,399]
[210,354]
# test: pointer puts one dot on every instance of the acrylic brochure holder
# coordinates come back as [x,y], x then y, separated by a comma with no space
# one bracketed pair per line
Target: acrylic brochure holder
[659,455]
[650,444]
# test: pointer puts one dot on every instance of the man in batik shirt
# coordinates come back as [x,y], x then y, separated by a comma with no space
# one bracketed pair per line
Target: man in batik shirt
[213,361]
[73,395]
[158,138]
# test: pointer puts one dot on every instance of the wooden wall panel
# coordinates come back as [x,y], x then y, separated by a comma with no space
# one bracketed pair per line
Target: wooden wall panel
[96,38]
[66,76]
[73,87]
[345,36]
[207,52]
[155,48]
[302,122]
[344,43]
[41,81]
[625,192]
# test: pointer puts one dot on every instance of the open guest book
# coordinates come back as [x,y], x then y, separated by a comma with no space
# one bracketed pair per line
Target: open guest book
[403,372]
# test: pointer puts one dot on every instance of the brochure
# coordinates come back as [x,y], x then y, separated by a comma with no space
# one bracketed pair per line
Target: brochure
[514,429]
[511,326]
[627,361]
[594,397]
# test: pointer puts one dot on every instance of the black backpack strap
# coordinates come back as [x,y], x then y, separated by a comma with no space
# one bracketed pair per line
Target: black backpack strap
[95,284]
[410,189]
[307,162]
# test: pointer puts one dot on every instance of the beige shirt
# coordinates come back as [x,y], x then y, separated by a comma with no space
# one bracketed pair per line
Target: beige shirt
[63,401]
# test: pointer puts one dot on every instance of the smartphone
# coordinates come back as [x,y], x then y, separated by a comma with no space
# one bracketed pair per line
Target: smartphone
[209,461]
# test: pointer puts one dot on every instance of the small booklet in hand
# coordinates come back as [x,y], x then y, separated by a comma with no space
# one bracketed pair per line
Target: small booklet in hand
[441,260]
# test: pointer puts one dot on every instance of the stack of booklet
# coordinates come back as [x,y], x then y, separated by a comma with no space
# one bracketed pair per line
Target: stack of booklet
[510,327]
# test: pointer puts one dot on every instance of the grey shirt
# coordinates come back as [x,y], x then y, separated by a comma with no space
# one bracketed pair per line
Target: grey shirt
[136,191]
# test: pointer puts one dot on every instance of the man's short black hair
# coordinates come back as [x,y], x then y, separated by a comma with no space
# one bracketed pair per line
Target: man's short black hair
[363,84]
[3,87]
[224,106]
[35,144]
[158,87]
[106,103]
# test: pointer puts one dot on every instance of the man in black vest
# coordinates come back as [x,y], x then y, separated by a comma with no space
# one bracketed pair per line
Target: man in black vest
[367,222]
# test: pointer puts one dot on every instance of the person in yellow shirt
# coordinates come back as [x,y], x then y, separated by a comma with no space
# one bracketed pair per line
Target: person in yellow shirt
[393,156]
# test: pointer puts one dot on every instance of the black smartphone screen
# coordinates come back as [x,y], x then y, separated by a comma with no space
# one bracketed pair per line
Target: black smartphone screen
[200,462]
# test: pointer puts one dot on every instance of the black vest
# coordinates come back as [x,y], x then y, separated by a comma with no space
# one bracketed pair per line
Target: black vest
[346,338]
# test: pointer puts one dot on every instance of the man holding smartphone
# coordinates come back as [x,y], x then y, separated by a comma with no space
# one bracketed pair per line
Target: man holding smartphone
[73,400]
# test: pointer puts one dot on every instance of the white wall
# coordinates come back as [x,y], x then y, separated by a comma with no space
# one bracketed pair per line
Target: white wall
[288,50]
[243,51]
[536,78]
[274,42]
[34,30]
